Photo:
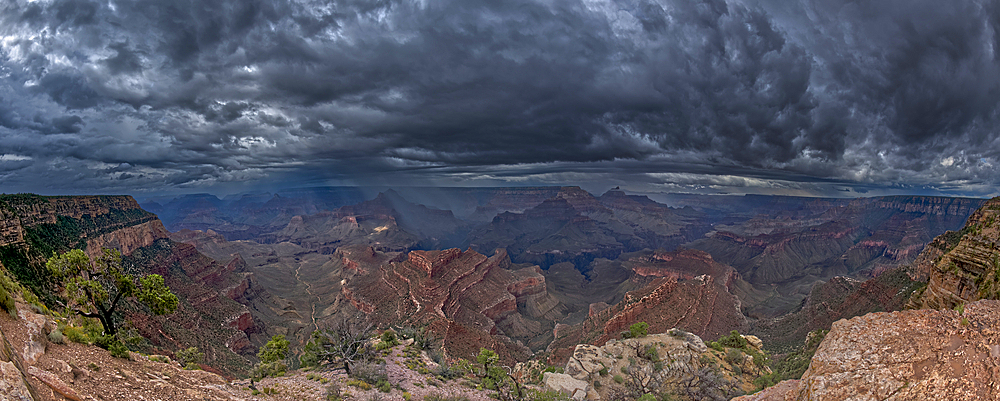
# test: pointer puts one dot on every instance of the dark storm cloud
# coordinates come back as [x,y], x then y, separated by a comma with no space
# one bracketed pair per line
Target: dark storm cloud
[711,93]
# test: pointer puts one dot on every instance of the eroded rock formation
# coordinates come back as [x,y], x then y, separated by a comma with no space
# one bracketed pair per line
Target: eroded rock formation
[685,289]
[469,299]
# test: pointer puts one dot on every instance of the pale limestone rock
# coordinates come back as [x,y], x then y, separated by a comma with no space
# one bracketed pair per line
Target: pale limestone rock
[12,387]
[754,342]
[565,384]
[693,342]
[34,323]
[584,363]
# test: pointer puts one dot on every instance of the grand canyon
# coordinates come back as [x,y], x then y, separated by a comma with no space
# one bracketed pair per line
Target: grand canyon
[534,274]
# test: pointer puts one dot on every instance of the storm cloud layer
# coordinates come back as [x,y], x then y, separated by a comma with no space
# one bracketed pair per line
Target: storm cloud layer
[758,96]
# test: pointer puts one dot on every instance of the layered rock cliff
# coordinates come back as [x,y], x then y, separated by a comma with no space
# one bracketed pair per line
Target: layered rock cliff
[32,227]
[963,266]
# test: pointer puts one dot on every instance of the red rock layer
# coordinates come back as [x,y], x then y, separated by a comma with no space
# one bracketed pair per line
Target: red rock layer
[686,289]
[470,299]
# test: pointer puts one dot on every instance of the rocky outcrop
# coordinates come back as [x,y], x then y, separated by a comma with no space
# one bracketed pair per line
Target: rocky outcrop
[13,381]
[673,362]
[566,384]
[71,371]
[906,355]
[12,386]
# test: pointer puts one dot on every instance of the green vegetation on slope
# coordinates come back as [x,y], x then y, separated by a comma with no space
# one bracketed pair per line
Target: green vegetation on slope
[793,364]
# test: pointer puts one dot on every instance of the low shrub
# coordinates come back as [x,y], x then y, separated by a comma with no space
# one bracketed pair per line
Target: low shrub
[118,349]
[733,340]
[734,356]
[548,395]
[190,358]
[104,341]
[75,334]
[269,369]
[448,371]
[651,353]
[359,384]
[637,330]
[388,340]
[56,336]
[369,372]
[333,392]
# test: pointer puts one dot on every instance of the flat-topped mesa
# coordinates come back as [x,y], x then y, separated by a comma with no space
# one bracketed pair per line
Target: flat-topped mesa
[923,204]
[683,264]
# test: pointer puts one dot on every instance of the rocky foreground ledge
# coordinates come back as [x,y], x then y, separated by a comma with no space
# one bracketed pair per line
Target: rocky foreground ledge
[907,355]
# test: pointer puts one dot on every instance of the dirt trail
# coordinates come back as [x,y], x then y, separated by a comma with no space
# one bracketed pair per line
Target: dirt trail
[312,306]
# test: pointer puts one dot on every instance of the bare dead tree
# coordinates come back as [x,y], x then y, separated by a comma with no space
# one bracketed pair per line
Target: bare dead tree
[346,342]
[706,383]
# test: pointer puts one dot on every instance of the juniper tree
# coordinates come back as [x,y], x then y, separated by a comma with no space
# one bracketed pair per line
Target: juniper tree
[95,288]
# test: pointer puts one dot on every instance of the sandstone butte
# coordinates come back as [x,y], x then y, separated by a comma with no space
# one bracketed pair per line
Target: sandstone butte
[906,355]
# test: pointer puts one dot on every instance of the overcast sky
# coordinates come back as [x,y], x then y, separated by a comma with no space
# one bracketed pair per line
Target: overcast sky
[812,97]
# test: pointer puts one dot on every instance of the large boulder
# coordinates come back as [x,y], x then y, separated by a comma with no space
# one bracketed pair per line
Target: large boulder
[566,384]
